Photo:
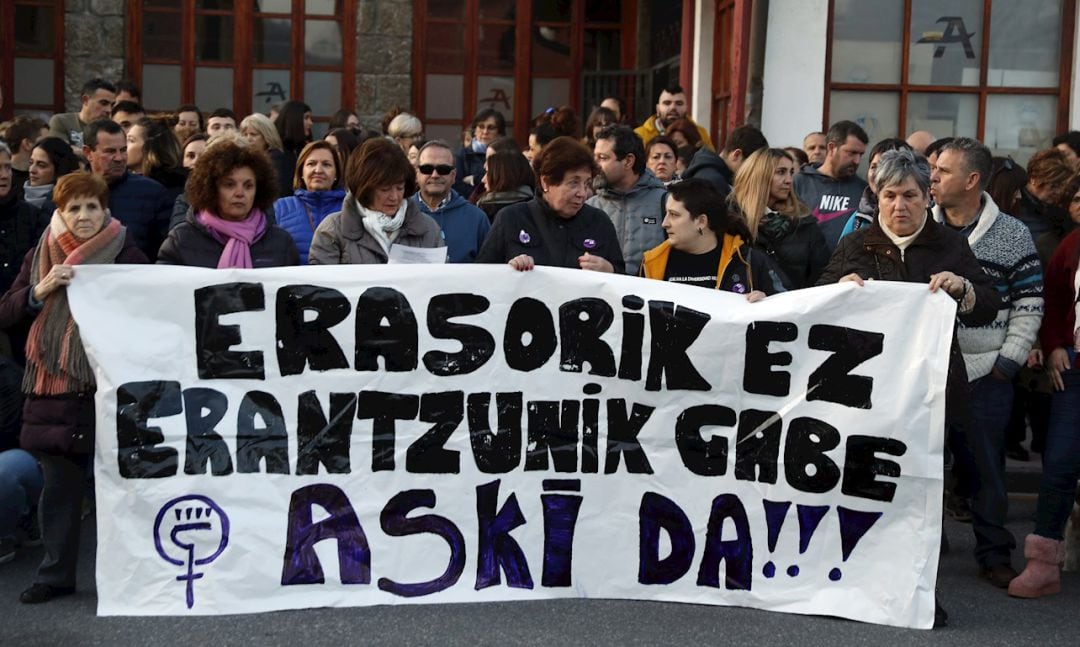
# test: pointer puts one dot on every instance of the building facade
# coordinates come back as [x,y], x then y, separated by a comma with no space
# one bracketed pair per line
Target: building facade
[999,70]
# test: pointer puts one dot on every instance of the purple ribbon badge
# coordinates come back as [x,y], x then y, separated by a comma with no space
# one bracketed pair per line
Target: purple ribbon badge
[524,237]
[589,243]
[739,287]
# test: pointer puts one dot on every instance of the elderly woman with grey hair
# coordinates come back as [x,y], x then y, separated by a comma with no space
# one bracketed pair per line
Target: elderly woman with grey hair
[905,244]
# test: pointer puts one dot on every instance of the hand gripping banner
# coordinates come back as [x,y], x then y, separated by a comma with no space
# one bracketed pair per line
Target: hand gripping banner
[350,436]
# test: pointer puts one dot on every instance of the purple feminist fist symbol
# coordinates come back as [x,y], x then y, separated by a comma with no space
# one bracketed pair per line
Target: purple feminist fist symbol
[191,531]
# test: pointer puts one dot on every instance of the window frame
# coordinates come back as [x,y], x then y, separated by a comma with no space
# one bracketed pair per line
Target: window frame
[524,23]
[243,61]
[983,91]
[9,54]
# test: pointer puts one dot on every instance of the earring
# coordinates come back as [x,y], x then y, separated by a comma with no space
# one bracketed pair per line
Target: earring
[700,231]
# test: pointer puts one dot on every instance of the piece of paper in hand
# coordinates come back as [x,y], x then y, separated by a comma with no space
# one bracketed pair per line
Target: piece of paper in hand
[404,254]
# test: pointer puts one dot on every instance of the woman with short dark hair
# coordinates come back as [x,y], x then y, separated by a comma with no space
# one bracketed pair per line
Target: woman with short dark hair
[375,213]
[660,156]
[229,190]
[708,247]
[556,228]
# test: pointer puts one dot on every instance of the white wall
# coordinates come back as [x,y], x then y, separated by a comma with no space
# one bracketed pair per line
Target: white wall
[1074,101]
[793,96]
[704,26]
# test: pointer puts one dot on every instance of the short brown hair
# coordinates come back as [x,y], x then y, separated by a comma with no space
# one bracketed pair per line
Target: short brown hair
[80,185]
[1050,167]
[561,156]
[317,145]
[377,163]
[222,159]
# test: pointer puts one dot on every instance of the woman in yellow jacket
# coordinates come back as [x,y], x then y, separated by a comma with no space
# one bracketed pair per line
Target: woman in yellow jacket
[708,248]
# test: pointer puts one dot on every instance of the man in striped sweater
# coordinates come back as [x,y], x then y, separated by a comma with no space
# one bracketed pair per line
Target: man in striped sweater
[992,353]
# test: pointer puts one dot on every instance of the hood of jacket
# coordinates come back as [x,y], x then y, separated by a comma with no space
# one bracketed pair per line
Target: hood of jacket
[705,158]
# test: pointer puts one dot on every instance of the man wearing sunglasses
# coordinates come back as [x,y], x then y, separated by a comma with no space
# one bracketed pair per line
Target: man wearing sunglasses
[464,225]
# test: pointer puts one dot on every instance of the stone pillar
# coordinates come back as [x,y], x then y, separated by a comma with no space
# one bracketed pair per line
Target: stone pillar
[384,35]
[93,44]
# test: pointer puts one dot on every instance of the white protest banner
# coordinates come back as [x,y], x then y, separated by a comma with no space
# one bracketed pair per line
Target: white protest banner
[358,435]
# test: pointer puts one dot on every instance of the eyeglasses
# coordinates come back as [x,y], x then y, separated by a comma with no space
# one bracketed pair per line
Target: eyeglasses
[443,169]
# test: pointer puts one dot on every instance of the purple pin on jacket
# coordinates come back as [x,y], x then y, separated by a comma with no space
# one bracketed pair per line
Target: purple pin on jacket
[524,237]
[589,243]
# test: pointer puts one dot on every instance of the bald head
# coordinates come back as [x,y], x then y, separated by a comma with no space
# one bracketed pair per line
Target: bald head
[919,140]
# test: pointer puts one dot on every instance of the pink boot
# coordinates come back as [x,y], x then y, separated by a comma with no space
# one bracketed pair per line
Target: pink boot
[1042,575]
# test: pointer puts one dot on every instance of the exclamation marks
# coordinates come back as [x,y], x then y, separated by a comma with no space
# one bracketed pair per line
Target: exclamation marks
[810,517]
[854,525]
[775,513]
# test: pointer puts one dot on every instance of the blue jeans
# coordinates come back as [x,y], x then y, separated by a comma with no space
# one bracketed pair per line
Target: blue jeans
[980,452]
[20,487]
[1061,462]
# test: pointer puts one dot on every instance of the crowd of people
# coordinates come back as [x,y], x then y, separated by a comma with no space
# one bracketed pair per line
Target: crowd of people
[111,183]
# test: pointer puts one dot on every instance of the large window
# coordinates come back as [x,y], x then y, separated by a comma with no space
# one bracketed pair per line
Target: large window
[31,58]
[998,70]
[517,56]
[246,55]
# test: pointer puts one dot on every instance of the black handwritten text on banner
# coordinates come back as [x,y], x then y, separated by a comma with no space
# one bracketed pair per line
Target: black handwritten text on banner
[368,435]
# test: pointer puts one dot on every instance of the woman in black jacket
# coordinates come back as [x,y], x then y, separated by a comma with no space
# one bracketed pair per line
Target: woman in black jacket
[779,223]
[556,228]
[905,244]
[229,190]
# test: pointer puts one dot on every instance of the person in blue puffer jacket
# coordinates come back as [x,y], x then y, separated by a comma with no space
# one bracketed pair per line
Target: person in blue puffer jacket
[318,194]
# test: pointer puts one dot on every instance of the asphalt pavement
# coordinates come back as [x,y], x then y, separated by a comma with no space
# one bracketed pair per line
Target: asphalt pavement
[979,615]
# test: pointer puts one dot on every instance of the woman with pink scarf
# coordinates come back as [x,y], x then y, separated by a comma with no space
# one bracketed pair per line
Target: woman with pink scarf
[229,190]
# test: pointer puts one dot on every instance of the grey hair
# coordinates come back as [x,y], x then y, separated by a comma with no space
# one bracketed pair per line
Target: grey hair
[977,157]
[436,143]
[4,150]
[895,167]
[404,125]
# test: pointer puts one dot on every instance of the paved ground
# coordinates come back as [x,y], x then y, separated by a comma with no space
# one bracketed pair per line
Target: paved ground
[980,615]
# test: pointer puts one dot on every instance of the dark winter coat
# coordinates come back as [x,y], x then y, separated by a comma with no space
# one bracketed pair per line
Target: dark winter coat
[534,229]
[192,245]
[173,179]
[492,203]
[871,254]
[144,207]
[1041,218]
[284,163]
[707,165]
[468,162]
[59,424]
[797,246]
[21,226]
